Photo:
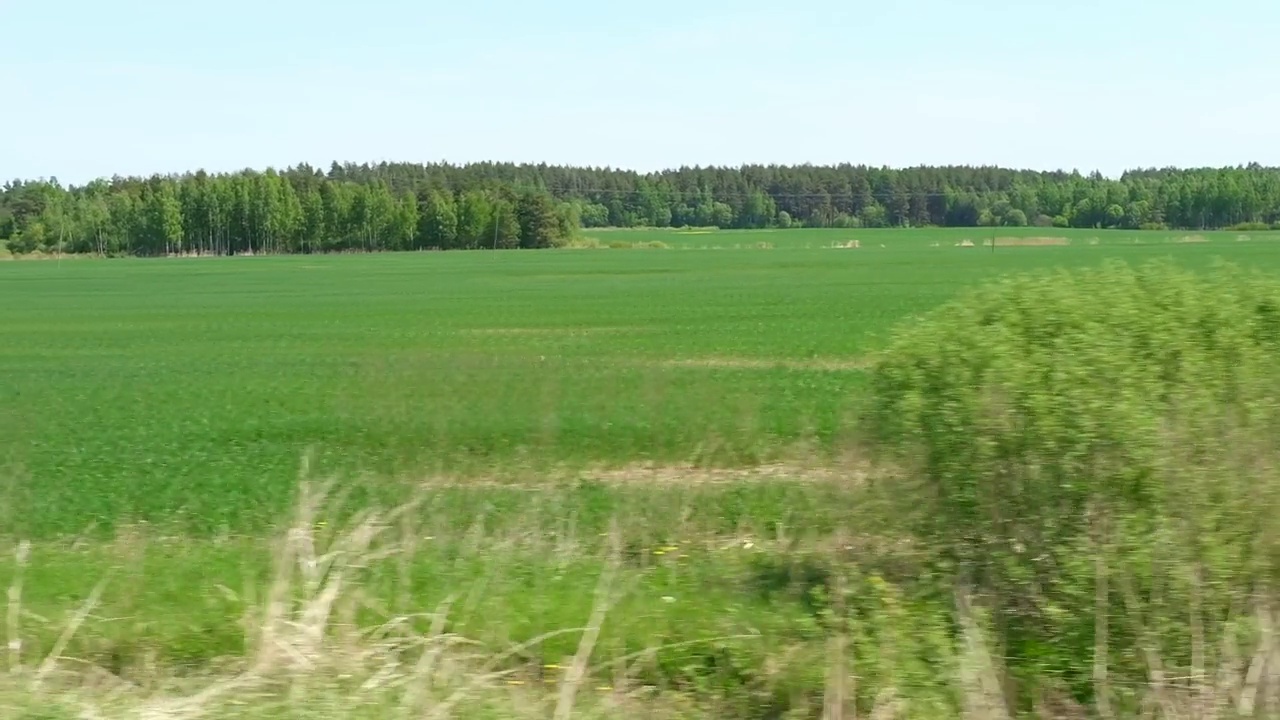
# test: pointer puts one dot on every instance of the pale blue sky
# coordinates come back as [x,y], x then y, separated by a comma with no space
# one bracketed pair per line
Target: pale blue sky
[142,86]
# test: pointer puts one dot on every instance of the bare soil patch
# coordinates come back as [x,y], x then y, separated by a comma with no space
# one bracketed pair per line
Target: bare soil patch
[5,254]
[551,331]
[676,474]
[1192,239]
[515,331]
[799,470]
[1035,241]
[744,363]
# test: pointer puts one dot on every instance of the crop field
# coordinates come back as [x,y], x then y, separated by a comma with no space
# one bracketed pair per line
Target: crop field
[187,391]
[898,239]
[691,402]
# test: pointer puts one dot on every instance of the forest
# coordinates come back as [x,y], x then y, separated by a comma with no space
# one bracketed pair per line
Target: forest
[407,206]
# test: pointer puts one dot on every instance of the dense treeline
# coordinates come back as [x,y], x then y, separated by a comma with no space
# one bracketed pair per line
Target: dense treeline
[858,196]
[400,206]
[299,210]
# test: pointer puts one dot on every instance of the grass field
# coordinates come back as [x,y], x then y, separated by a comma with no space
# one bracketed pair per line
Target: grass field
[154,416]
[897,239]
[135,389]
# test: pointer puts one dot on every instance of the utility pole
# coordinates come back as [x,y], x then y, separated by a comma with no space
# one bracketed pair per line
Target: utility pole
[497,218]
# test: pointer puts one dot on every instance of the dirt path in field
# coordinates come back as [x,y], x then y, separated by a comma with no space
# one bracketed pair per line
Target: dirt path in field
[656,474]
[1037,241]
[848,470]
[746,363]
[516,331]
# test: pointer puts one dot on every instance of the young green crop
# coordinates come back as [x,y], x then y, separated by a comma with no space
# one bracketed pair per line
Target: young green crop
[185,391]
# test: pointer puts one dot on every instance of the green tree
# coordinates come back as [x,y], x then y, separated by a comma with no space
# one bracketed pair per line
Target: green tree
[504,225]
[874,216]
[758,211]
[124,225]
[475,218]
[594,215]
[438,221]
[538,221]
[163,221]
[314,230]
[96,219]
[32,238]
[1015,218]
[302,209]
[568,220]
[336,201]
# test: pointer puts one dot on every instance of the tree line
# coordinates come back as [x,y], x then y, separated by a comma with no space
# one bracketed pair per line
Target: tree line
[404,206]
[296,211]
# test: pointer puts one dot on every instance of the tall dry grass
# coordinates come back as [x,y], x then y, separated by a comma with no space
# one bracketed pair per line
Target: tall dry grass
[307,656]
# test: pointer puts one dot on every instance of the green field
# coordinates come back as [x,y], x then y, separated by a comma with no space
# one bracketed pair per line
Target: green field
[138,389]
[898,239]
[185,394]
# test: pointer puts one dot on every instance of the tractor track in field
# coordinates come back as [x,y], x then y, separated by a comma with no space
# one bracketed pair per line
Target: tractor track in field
[664,474]
[749,363]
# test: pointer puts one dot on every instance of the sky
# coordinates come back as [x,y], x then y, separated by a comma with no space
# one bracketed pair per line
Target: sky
[135,87]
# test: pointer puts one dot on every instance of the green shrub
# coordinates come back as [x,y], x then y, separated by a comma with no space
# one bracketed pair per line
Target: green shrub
[1092,446]
[23,243]
[583,243]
